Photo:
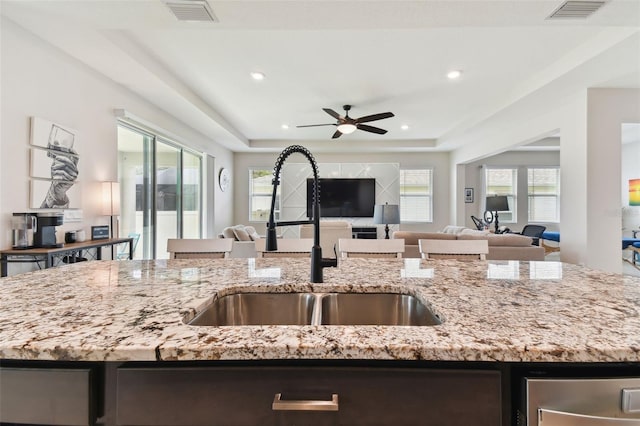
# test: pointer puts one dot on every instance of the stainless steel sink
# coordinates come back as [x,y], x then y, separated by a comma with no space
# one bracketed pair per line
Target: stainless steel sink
[258,309]
[316,309]
[375,309]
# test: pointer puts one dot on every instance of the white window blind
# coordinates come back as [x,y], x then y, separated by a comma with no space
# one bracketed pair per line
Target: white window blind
[503,181]
[416,195]
[544,194]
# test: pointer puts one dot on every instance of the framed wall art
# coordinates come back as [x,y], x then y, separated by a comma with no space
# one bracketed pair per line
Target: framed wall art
[468,195]
[54,166]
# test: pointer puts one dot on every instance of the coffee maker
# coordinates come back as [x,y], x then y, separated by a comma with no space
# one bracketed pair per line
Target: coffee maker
[45,235]
[23,228]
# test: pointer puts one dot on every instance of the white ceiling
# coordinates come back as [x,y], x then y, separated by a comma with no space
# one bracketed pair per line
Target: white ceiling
[375,55]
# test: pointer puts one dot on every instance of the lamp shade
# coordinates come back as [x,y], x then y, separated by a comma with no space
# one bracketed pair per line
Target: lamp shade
[110,198]
[384,214]
[497,203]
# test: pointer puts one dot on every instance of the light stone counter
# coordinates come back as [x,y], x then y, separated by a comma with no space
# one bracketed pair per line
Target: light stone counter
[493,311]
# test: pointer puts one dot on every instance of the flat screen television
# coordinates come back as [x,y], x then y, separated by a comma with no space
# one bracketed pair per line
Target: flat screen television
[343,197]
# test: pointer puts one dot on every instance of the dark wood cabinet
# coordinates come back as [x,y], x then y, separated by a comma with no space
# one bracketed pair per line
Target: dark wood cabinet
[51,396]
[365,396]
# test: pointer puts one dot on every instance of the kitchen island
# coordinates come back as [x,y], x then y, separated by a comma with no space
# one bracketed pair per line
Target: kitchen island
[496,316]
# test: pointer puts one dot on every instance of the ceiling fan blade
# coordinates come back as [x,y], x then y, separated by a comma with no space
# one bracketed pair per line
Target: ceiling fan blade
[374,117]
[316,125]
[336,135]
[371,129]
[331,113]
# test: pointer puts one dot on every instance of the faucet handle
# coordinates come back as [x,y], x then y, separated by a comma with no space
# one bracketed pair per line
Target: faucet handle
[329,262]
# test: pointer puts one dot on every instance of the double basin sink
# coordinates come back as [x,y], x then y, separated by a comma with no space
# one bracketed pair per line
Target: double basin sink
[316,309]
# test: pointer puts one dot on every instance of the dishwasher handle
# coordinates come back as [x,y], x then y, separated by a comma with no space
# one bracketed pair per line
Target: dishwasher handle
[548,417]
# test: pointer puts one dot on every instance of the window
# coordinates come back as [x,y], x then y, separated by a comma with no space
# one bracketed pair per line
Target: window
[260,191]
[503,182]
[416,195]
[544,194]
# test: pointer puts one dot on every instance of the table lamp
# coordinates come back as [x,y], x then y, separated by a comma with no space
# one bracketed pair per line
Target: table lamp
[497,203]
[384,214]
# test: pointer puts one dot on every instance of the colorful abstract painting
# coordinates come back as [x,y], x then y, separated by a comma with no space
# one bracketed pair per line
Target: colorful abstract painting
[634,192]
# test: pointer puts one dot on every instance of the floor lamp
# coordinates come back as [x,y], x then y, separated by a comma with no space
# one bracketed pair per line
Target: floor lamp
[384,214]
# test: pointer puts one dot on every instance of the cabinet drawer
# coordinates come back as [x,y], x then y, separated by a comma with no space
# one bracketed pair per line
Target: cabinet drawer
[46,396]
[366,396]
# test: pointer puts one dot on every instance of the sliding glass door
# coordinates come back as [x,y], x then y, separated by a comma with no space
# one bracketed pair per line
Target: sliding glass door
[168,196]
[135,168]
[161,191]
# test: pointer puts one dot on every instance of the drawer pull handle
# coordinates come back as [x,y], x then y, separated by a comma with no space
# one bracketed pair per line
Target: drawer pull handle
[304,405]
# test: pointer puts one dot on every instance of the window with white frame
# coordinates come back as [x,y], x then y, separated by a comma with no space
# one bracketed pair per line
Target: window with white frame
[260,192]
[503,181]
[416,195]
[544,194]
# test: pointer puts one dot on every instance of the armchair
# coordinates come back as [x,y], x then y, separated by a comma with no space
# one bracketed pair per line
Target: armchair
[533,231]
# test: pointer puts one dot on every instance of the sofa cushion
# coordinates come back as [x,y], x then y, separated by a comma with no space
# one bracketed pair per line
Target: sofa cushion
[510,240]
[468,231]
[411,238]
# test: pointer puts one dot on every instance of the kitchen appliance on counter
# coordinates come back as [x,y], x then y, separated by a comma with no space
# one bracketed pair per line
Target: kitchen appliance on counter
[45,236]
[76,236]
[23,228]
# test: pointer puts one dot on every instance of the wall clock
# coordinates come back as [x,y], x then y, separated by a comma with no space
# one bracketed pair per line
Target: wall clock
[224,179]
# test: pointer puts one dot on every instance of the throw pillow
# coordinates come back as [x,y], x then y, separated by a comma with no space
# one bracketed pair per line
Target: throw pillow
[450,229]
[228,233]
[253,234]
[240,233]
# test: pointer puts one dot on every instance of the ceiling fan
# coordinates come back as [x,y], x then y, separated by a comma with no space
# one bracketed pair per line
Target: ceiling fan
[348,125]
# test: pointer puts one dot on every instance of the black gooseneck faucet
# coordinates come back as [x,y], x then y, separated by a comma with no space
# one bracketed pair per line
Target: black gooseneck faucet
[317,262]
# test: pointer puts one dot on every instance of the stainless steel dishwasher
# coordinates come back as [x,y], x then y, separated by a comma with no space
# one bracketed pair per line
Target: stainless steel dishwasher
[582,402]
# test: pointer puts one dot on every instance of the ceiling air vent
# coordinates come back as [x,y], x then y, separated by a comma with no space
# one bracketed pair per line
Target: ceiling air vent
[576,9]
[191,10]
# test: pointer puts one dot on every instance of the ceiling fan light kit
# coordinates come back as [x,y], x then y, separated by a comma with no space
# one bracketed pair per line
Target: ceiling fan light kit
[346,128]
[346,125]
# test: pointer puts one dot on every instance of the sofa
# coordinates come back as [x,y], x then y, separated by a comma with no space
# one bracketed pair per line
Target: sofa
[243,240]
[501,246]
[244,237]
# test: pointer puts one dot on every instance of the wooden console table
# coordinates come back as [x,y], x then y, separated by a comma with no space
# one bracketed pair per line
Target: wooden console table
[72,251]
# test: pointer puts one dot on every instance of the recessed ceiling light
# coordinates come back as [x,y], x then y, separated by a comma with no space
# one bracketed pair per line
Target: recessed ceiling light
[404,127]
[454,74]
[256,75]
[285,126]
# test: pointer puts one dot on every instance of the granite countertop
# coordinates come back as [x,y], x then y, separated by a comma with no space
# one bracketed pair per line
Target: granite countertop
[492,311]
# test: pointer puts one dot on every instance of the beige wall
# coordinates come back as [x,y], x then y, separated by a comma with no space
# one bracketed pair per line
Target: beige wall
[438,161]
[520,160]
[39,80]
